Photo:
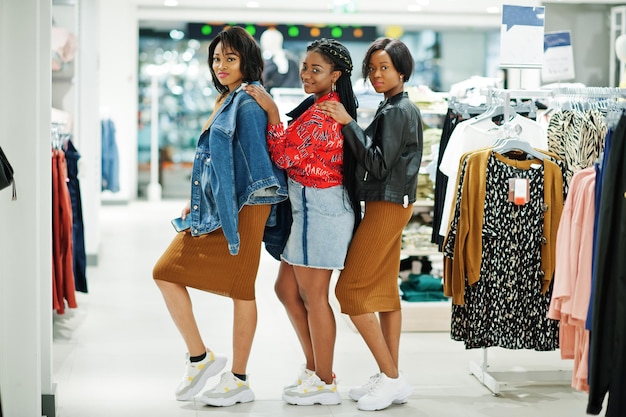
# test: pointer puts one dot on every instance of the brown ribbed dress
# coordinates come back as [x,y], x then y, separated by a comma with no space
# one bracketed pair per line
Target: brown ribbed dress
[204,262]
[369,281]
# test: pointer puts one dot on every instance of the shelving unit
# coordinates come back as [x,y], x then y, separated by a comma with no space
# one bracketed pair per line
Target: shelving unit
[431,316]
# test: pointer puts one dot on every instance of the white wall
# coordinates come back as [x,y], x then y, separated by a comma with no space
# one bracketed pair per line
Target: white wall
[87,139]
[26,225]
[118,48]
[590,26]
[462,52]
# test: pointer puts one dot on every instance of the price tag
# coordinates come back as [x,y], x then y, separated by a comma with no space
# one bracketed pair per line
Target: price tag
[519,191]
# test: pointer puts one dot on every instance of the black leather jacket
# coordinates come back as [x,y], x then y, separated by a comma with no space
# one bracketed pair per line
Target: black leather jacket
[388,151]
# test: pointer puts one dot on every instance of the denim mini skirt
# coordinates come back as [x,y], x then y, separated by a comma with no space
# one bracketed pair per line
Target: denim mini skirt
[322,227]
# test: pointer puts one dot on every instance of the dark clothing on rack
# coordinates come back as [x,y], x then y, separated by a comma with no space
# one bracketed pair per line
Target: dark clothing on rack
[441,181]
[453,118]
[607,369]
[600,169]
[78,235]
[272,78]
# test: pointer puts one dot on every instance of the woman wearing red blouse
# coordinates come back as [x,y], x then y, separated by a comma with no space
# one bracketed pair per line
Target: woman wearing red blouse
[324,208]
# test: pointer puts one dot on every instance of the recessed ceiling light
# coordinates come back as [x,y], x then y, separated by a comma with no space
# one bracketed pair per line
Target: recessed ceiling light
[493,9]
[253,4]
[170,3]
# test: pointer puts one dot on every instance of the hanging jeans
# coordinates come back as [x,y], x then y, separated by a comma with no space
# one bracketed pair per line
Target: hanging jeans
[78,235]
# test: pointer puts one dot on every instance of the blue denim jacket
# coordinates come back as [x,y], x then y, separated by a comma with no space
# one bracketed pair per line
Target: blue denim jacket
[232,168]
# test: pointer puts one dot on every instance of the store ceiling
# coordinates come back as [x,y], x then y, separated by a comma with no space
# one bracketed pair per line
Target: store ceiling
[469,13]
[361,6]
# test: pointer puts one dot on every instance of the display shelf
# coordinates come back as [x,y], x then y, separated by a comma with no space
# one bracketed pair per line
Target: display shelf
[432,316]
[421,316]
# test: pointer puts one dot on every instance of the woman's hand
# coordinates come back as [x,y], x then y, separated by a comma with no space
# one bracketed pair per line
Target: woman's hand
[266,102]
[335,110]
[186,210]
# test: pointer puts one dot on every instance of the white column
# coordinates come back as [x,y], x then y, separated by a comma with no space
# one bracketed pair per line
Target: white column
[154,188]
[118,49]
[25,236]
[87,112]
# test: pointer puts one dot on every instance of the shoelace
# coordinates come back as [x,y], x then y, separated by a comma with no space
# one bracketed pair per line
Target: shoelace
[190,370]
[313,382]
[372,385]
[224,382]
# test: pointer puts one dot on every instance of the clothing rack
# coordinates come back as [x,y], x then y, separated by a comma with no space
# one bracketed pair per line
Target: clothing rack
[496,381]
[606,98]
[58,136]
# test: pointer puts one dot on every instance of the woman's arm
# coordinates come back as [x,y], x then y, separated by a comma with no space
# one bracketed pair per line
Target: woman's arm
[266,102]
[336,110]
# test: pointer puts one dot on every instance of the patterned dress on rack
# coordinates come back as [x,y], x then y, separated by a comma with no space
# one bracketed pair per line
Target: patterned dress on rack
[506,307]
[577,137]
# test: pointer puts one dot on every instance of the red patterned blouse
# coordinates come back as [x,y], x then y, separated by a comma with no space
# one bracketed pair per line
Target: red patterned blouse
[311,148]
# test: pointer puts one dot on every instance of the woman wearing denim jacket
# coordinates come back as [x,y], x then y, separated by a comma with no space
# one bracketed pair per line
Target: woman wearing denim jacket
[389,154]
[325,211]
[233,185]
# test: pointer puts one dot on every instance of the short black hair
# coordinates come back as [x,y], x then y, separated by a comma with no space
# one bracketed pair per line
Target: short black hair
[401,57]
[246,47]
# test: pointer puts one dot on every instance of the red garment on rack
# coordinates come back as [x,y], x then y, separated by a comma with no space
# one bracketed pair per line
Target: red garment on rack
[63,288]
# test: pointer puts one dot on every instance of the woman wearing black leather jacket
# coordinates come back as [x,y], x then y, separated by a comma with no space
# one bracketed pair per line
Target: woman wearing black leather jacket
[389,153]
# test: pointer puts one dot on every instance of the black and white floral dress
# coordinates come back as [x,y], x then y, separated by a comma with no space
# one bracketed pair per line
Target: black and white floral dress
[506,307]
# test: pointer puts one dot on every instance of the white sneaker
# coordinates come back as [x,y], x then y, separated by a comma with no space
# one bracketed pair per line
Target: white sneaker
[384,392]
[302,376]
[197,374]
[357,392]
[230,391]
[313,391]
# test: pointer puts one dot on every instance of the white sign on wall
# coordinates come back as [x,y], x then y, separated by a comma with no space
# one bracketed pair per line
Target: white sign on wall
[521,36]
[558,57]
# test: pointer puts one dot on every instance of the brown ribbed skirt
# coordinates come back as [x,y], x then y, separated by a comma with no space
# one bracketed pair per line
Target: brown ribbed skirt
[204,262]
[369,281]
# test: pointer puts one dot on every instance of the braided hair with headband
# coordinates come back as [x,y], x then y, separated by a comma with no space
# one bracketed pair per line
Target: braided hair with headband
[339,57]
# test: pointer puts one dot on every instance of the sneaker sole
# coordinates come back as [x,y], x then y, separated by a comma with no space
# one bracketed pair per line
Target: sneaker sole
[401,399]
[324,399]
[215,368]
[244,397]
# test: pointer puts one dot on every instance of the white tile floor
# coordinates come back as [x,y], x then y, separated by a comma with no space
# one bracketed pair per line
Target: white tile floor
[119,355]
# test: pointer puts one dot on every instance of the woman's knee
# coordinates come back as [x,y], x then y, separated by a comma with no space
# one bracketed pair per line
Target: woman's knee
[166,286]
[287,293]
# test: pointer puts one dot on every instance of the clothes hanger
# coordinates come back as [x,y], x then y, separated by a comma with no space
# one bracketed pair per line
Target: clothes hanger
[511,141]
[501,110]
